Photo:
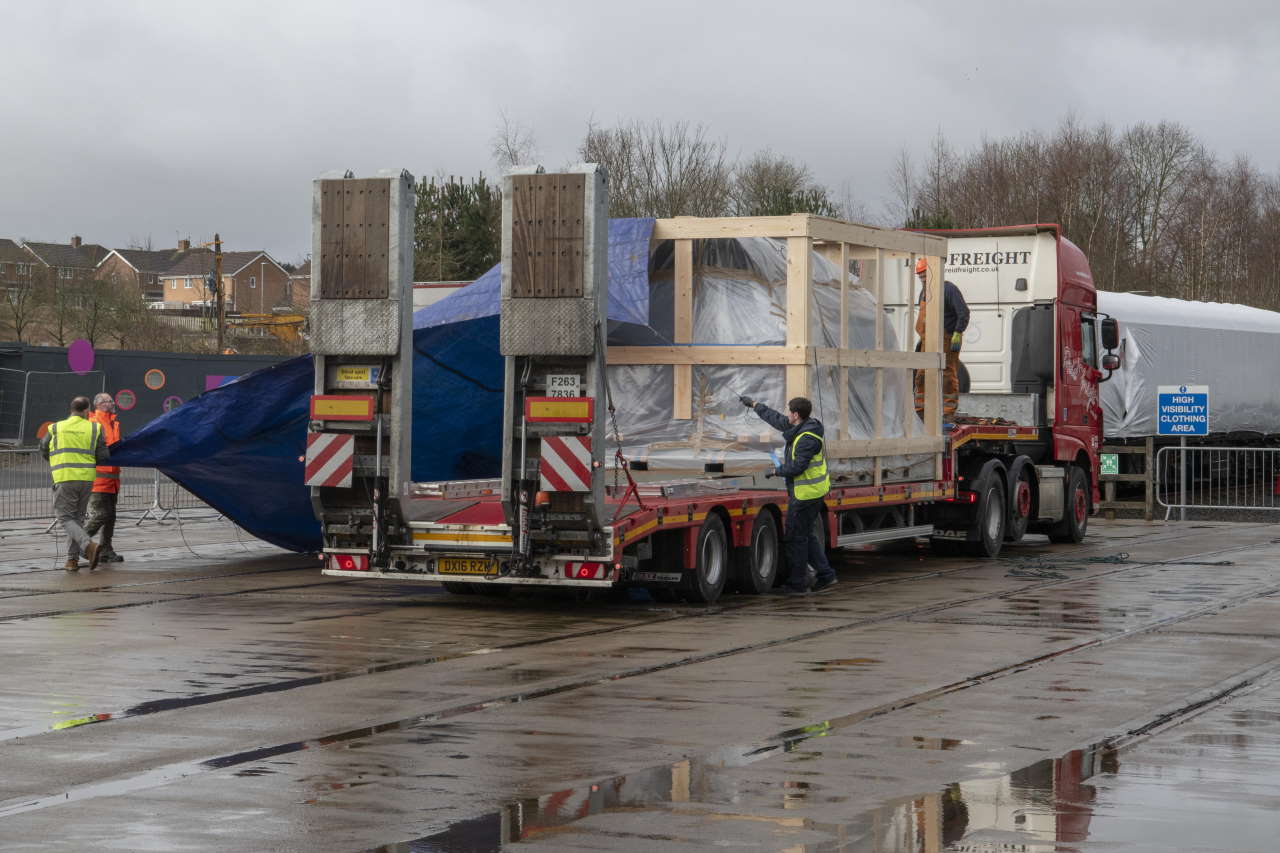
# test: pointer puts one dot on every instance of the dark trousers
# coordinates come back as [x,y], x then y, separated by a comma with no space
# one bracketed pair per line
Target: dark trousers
[102,516]
[803,547]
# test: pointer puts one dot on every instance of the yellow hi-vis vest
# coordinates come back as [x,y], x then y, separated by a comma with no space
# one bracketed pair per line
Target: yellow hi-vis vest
[71,454]
[813,482]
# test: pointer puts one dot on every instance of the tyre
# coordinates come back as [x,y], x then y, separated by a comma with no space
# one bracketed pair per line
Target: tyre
[456,588]
[705,582]
[756,566]
[990,516]
[1021,505]
[1075,521]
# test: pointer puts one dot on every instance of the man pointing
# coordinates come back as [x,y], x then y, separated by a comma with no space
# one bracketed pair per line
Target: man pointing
[804,467]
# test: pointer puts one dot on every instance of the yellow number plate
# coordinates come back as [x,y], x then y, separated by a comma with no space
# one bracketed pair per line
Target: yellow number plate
[466,565]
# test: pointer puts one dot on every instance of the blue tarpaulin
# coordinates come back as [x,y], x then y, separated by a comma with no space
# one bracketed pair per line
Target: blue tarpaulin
[239,447]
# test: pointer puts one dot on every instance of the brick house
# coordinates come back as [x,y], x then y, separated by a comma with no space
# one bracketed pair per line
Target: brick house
[253,283]
[68,263]
[300,287]
[140,269]
[16,264]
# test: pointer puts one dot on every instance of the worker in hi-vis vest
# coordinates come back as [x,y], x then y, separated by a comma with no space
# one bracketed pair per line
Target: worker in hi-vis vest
[804,467]
[955,319]
[75,447]
[101,514]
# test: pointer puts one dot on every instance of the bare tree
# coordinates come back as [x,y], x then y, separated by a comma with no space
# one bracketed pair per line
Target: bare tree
[512,144]
[1157,159]
[902,182]
[662,170]
[772,185]
[22,302]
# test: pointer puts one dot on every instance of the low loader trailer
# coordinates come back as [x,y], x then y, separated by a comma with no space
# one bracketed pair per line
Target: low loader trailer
[569,509]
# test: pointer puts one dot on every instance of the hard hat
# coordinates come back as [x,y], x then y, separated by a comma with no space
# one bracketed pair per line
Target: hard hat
[921,266]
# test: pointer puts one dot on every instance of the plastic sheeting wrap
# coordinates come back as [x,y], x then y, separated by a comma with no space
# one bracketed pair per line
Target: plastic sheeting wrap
[739,298]
[1234,349]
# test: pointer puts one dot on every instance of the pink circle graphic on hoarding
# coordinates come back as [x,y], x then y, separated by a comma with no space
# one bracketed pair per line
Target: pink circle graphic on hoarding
[126,400]
[80,356]
[171,403]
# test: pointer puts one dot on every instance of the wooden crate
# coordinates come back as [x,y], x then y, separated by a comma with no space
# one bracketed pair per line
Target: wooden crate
[839,242]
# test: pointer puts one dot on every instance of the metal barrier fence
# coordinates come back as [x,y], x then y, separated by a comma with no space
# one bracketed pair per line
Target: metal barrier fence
[26,492]
[1228,478]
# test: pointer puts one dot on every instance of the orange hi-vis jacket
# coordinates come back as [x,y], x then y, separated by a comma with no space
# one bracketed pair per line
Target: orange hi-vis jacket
[108,479]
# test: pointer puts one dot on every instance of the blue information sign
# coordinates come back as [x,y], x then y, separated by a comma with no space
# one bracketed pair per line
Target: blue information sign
[1182,410]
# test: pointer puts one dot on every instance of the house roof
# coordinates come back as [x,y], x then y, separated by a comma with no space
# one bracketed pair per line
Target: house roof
[147,261]
[232,263]
[191,263]
[11,252]
[85,256]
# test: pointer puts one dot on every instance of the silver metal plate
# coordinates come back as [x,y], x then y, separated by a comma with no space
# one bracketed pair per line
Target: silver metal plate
[355,327]
[548,326]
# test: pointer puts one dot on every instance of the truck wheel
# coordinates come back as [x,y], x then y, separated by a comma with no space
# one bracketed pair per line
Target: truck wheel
[756,566]
[1075,519]
[989,519]
[456,588]
[705,582]
[1021,505]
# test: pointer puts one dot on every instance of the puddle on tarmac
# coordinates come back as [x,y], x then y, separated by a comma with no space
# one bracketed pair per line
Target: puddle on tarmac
[1085,799]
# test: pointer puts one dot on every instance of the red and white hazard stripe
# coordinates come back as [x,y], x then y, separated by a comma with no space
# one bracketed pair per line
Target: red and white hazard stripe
[565,465]
[330,458]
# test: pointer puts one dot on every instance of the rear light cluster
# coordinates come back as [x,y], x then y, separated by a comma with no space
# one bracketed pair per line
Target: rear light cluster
[583,570]
[349,562]
[589,571]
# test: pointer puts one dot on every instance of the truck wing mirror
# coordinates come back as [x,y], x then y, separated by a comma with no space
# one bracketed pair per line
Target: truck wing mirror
[1111,361]
[1110,333]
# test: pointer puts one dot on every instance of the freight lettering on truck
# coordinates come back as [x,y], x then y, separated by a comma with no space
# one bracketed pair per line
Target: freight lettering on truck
[984,261]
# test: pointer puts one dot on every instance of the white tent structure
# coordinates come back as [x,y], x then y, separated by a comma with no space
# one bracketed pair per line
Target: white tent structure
[1234,349]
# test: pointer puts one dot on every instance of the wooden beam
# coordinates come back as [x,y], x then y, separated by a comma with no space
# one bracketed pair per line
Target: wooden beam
[787,355]
[708,354]
[933,344]
[867,447]
[799,274]
[798,225]
[908,401]
[715,228]
[821,228]
[682,373]
[825,356]
[877,292]
[843,395]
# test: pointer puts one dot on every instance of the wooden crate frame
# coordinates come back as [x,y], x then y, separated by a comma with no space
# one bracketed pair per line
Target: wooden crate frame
[839,242]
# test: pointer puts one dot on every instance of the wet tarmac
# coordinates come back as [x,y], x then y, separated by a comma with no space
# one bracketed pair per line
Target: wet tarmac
[1116,696]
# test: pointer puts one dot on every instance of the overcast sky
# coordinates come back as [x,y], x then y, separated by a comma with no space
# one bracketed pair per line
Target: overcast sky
[128,120]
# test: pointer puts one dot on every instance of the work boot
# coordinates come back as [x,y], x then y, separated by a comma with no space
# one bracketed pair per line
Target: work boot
[93,551]
[825,583]
[112,557]
[71,565]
